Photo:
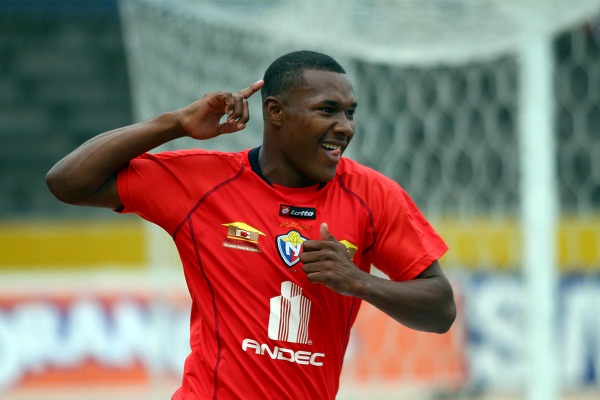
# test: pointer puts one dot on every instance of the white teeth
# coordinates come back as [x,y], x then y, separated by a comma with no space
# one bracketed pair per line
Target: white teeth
[330,146]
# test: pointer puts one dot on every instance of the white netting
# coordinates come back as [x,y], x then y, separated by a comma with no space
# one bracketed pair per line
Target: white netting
[406,31]
[438,90]
[179,50]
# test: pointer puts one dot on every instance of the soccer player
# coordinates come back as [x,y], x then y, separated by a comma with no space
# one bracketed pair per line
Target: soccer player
[277,241]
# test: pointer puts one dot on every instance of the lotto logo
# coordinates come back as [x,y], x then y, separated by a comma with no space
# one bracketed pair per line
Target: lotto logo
[297,212]
[290,314]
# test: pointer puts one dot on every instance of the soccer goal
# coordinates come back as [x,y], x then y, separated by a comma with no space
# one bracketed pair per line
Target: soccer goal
[486,112]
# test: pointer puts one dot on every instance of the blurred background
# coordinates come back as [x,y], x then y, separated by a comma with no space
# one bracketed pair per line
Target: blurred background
[486,112]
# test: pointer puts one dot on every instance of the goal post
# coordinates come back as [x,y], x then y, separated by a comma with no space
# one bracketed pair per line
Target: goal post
[469,105]
[539,201]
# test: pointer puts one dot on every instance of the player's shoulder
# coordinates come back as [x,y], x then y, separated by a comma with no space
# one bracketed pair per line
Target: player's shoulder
[191,154]
[359,177]
[189,158]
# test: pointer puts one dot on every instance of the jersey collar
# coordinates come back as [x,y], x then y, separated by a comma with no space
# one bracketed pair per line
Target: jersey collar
[253,159]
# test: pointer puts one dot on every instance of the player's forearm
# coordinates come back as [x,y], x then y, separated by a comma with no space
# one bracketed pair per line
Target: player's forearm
[425,304]
[82,172]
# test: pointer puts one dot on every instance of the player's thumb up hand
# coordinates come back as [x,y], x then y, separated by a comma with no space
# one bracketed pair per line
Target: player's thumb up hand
[325,234]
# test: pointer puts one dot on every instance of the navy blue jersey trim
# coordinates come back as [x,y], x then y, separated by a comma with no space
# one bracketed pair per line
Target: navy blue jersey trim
[349,326]
[215,311]
[253,159]
[188,219]
[211,191]
[254,164]
[367,209]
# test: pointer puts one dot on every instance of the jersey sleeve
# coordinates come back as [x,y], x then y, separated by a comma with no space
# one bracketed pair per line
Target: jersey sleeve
[163,188]
[406,244]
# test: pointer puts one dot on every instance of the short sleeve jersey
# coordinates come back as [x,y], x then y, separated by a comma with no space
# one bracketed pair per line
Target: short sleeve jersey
[259,328]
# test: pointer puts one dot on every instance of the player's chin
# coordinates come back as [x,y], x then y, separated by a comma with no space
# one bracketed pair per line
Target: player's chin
[326,174]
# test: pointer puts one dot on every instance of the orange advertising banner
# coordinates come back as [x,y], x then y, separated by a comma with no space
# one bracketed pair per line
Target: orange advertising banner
[53,341]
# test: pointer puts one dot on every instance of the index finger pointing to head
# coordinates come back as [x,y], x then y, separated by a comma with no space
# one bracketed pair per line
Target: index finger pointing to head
[250,90]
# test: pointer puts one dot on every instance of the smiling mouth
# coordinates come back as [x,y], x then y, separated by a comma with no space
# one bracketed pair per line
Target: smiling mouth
[333,152]
[328,146]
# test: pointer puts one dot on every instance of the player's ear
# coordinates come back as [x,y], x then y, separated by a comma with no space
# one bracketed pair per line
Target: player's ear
[273,110]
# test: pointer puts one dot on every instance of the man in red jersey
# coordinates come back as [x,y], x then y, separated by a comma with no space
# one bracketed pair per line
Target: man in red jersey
[277,241]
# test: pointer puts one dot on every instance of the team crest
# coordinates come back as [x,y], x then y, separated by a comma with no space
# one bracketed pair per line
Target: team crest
[241,236]
[290,246]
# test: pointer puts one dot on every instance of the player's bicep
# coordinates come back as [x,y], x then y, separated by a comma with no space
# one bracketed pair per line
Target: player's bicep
[433,271]
[107,196]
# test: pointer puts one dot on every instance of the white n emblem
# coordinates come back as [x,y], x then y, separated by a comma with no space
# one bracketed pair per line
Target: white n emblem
[289,246]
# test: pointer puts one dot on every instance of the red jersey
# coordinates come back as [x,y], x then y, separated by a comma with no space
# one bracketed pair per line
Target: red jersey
[259,328]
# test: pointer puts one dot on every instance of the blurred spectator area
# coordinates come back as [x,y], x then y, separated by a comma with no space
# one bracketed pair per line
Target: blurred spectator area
[63,79]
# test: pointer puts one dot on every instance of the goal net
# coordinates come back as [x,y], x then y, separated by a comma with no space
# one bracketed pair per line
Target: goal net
[441,110]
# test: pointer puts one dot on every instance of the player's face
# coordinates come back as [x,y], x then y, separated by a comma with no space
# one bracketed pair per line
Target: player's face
[317,126]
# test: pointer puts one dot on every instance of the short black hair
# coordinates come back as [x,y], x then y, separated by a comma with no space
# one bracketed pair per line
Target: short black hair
[285,73]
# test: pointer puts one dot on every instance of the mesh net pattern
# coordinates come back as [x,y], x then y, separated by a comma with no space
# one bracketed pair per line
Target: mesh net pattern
[437,84]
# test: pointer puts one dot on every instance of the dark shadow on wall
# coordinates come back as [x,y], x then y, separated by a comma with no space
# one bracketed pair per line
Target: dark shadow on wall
[63,79]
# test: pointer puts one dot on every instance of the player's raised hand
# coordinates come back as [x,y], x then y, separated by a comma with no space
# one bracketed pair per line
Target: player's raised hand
[327,261]
[202,118]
